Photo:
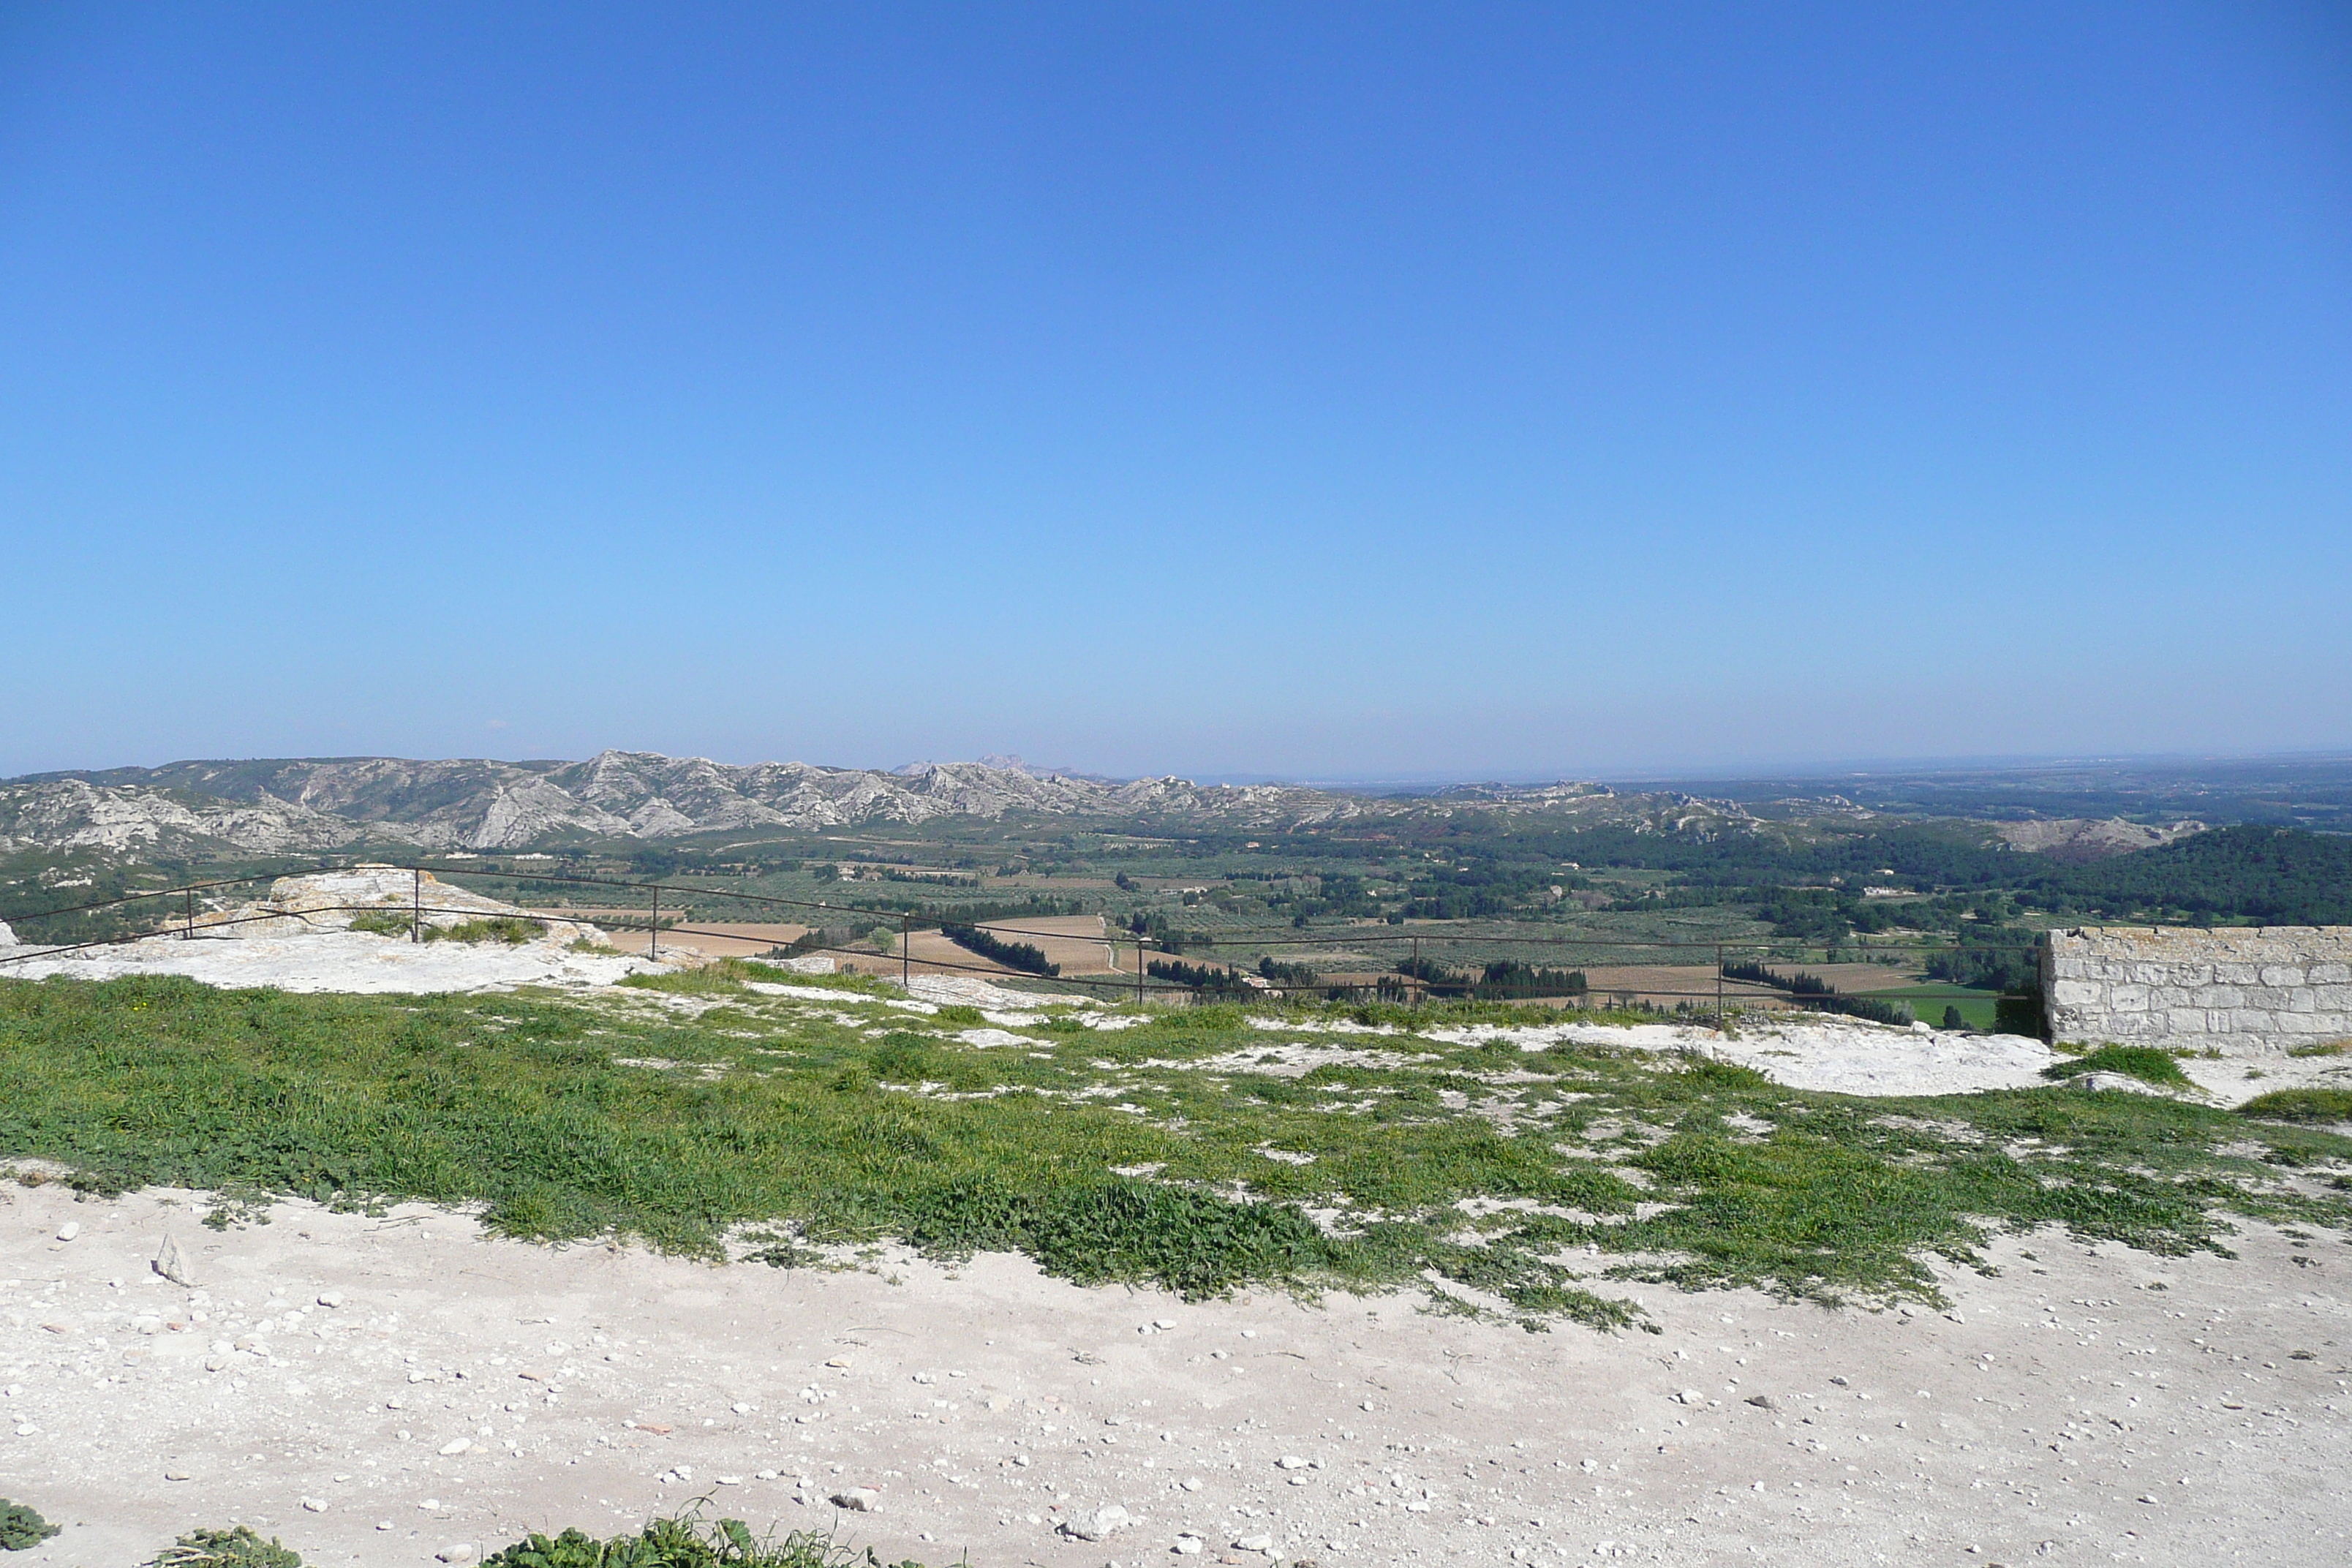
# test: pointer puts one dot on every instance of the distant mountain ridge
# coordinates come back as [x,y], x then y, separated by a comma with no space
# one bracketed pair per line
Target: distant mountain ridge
[274,806]
[313,805]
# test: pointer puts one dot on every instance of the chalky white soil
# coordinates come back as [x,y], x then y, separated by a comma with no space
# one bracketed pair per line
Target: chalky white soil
[2086,1407]
[346,961]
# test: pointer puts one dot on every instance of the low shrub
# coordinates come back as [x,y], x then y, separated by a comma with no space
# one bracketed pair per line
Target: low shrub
[687,1543]
[2145,1063]
[21,1526]
[511,929]
[2300,1105]
[384,922]
[238,1548]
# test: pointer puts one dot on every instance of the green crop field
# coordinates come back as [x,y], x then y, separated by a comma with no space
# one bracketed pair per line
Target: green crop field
[1976,1007]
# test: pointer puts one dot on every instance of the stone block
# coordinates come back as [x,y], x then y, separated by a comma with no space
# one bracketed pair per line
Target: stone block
[2078,994]
[2283,974]
[2185,1020]
[2237,975]
[2220,996]
[2127,998]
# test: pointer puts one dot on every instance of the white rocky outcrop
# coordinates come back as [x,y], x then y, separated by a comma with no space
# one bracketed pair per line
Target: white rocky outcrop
[330,901]
[133,820]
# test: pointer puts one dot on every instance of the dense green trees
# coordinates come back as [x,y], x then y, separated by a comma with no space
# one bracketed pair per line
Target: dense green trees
[1028,957]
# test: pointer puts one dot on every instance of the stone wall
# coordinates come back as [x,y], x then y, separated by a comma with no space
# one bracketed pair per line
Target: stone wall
[2248,991]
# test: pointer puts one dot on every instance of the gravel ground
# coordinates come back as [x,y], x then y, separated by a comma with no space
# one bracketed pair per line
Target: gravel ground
[319,1377]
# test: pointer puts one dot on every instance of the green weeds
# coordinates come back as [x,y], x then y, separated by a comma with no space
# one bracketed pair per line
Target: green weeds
[1202,1150]
[2145,1063]
[383,922]
[511,929]
[686,1543]
[2300,1105]
[21,1526]
[237,1548]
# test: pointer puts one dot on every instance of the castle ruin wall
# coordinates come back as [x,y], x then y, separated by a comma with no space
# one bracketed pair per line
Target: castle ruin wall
[2253,991]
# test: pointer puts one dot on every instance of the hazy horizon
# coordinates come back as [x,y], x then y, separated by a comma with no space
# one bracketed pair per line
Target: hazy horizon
[1825,773]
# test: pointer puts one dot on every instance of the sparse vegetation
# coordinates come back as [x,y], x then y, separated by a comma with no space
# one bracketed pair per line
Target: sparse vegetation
[236,1548]
[687,1543]
[383,922]
[820,1135]
[511,929]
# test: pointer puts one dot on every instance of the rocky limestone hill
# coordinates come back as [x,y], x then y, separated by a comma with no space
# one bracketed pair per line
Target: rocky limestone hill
[301,804]
[330,900]
[142,821]
[293,805]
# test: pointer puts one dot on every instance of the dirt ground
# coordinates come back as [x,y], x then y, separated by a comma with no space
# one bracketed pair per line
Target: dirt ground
[1073,942]
[2080,1406]
[1664,984]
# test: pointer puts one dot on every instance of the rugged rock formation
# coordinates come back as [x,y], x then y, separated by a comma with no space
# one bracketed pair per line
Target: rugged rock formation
[330,901]
[2079,839]
[141,821]
[307,805]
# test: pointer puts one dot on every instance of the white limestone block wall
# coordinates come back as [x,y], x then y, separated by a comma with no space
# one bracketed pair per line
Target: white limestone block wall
[2252,991]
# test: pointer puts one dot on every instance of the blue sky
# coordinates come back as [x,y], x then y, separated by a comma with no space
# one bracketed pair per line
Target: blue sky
[1285,391]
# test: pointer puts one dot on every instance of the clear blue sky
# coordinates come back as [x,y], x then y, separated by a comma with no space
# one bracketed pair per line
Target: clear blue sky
[1317,390]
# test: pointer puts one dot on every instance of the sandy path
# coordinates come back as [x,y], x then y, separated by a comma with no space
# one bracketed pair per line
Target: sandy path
[2077,1414]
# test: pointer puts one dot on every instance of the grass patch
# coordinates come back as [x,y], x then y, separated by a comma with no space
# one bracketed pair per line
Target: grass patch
[811,1126]
[2323,1048]
[1978,1009]
[384,922]
[2300,1105]
[2145,1063]
[511,929]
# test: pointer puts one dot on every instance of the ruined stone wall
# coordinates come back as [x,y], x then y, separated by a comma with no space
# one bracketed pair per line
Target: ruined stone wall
[2250,991]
